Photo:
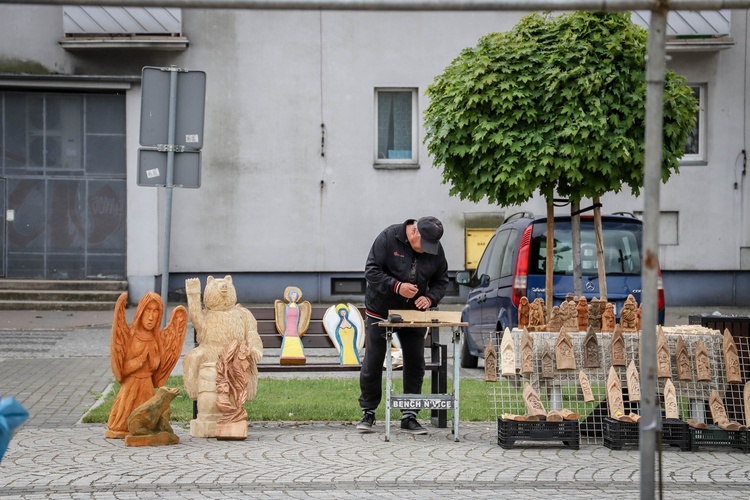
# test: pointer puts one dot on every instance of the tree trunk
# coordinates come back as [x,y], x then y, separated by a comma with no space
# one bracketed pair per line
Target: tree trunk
[550,259]
[600,249]
[575,234]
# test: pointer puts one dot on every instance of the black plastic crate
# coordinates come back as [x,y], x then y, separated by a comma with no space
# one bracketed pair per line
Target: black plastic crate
[715,436]
[510,431]
[618,434]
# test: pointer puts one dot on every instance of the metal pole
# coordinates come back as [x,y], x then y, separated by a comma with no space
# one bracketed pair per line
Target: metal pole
[169,187]
[650,424]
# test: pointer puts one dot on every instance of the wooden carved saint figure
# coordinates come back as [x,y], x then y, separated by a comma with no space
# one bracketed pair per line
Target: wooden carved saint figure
[702,362]
[490,363]
[588,394]
[614,395]
[618,348]
[595,314]
[537,320]
[548,363]
[507,354]
[142,355]
[628,315]
[684,371]
[670,401]
[533,403]
[591,350]
[634,382]
[569,315]
[231,391]
[608,318]
[731,359]
[344,325]
[555,321]
[663,358]
[583,314]
[527,353]
[524,311]
[292,321]
[564,352]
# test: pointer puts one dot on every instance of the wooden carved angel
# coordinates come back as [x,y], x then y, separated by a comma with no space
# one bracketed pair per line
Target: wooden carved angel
[142,355]
[292,321]
[346,329]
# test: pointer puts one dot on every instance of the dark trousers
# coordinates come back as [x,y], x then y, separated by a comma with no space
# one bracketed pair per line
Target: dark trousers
[371,374]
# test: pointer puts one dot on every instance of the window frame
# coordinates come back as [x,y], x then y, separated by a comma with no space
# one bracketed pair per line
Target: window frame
[413,161]
[699,158]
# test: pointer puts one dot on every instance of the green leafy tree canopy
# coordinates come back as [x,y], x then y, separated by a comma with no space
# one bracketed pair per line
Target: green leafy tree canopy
[555,104]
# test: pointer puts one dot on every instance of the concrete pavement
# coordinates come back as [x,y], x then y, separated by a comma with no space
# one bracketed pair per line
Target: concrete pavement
[57,365]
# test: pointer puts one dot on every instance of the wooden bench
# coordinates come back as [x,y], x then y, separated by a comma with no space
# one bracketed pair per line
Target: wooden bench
[316,341]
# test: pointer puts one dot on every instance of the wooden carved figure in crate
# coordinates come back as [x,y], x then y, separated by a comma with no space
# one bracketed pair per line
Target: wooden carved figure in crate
[702,362]
[527,353]
[231,391]
[614,395]
[628,315]
[142,355]
[555,323]
[548,362]
[346,329]
[731,359]
[633,380]
[719,414]
[582,310]
[682,358]
[591,350]
[663,358]
[588,394]
[292,321]
[507,354]
[595,314]
[564,354]
[533,403]
[537,319]
[670,401]
[524,309]
[618,348]
[220,322]
[490,363]
[608,318]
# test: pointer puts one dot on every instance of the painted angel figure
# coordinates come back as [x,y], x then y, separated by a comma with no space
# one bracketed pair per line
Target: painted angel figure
[345,327]
[142,355]
[292,321]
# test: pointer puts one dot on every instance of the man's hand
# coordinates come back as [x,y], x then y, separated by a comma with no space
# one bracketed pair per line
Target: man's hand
[408,290]
[423,303]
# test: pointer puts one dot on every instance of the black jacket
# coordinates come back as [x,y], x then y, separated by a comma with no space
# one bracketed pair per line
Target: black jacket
[390,263]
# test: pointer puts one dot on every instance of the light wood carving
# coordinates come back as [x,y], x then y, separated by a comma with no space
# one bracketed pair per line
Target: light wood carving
[595,314]
[618,348]
[588,394]
[719,414]
[490,363]
[537,319]
[533,403]
[731,359]
[527,353]
[564,354]
[548,362]
[569,315]
[628,315]
[524,310]
[591,358]
[702,362]
[608,318]
[142,355]
[663,358]
[682,358]
[670,400]
[555,322]
[507,354]
[614,395]
[633,380]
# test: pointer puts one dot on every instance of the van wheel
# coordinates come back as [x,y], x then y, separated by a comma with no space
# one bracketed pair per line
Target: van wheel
[467,360]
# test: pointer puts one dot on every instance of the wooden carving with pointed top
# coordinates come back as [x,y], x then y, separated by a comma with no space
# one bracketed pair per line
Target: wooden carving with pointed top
[527,353]
[507,354]
[490,363]
[718,412]
[548,362]
[663,358]
[591,350]
[618,348]
[702,362]
[614,395]
[533,403]
[588,394]
[684,370]
[670,400]
[731,359]
[633,380]
[564,354]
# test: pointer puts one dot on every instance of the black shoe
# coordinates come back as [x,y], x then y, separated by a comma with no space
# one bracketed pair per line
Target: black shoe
[411,426]
[365,425]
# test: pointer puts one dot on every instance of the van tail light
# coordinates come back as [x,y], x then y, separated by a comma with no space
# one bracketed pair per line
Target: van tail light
[660,292]
[522,267]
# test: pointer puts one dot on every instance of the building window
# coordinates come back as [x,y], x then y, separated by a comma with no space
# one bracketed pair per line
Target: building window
[695,149]
[396,126]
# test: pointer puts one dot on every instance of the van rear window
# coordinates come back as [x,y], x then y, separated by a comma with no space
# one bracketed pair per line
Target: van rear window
[622,248]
